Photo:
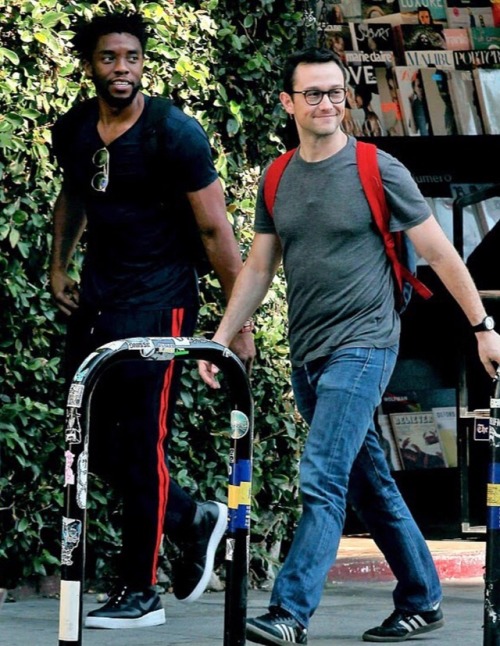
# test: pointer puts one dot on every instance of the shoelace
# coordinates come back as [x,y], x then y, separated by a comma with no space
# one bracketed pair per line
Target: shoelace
[118,596]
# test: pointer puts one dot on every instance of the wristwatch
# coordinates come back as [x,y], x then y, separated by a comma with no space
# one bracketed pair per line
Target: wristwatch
[488,323]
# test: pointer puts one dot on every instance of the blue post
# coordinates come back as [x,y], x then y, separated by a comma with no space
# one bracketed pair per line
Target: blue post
[76,473]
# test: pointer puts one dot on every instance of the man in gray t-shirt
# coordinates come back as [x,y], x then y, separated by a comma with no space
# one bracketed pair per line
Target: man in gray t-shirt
[344,334]
[340,285]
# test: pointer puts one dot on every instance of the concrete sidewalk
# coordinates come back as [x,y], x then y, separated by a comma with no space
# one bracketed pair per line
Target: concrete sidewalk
[345,612]
[357,597]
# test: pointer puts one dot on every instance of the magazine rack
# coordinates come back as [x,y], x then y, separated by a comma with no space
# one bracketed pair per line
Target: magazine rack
[468,443]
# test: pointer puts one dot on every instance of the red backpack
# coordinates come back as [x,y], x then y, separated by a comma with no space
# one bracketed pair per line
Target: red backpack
[398,246]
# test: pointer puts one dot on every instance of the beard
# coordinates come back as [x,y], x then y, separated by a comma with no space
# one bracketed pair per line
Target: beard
[102,89]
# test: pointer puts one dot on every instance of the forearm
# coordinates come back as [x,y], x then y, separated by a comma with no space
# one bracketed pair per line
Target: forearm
[456,278]
[251,286]
[217,234]
[68,225]
[432,244]
[248,294]
[224,255]
[69,222]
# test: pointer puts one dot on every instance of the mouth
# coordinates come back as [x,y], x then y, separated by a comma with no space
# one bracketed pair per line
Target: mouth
[121,84]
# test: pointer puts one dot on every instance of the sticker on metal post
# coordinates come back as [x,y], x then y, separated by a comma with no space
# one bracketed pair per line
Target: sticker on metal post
[239,424]
[493,495]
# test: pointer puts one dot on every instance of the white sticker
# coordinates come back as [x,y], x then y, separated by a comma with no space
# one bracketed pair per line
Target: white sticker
[69,611]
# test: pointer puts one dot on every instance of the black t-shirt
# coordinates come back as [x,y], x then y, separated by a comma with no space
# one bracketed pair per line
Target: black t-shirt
[137,252]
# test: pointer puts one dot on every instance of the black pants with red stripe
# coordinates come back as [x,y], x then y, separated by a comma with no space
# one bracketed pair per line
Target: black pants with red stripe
[130,424]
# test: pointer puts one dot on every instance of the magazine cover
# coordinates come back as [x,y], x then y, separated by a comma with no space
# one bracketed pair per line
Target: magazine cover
[363,101]
[484,37]
[445,418]
[422,37]
[371,37]
[380,11]
[465,102]
[456,38]
[332,12]
[412,101]
[417,440]
[469,13]
[439,101]
[487,82]
[337,38]
[416,11]
[389,101]
[388,441]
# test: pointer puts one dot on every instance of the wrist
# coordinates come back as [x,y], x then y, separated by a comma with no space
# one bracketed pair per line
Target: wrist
[486,325]
[248,326]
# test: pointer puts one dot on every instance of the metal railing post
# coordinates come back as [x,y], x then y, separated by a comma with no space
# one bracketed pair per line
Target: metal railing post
[76,474]
[492,573]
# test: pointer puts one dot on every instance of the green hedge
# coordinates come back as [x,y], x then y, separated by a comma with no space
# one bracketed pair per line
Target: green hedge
[221,60]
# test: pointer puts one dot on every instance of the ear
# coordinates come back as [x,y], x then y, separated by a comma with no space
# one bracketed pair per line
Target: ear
[87,69]
[287,103]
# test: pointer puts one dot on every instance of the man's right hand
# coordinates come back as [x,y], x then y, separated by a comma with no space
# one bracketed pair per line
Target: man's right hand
[208,372]
[65,292]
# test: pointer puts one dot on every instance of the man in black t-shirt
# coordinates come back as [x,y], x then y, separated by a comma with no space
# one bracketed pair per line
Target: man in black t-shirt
[138,279]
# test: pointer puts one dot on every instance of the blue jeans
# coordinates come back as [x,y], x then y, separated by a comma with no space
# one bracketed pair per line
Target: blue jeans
[344,461]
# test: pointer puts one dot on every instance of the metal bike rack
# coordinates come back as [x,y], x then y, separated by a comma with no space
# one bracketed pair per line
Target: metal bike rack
[492,571]
[76,473]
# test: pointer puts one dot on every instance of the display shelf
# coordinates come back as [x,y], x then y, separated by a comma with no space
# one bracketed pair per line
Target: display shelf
[438,161]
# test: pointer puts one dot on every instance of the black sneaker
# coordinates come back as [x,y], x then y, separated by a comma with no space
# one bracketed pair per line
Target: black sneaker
[404,625]
[128,609]
[276,627]
[192,570]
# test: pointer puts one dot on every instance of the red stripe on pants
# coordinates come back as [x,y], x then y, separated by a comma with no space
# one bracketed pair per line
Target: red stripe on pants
[163,474]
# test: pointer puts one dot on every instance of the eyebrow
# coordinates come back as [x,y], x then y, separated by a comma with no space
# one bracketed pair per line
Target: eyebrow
[332,87]
[112,51]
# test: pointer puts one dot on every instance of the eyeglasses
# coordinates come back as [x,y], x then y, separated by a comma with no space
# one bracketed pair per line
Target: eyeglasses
[314,97]
[100,180]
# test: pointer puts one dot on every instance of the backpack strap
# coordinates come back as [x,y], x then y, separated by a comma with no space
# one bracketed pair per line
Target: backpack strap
[369,173]
[273,178]
[155,130]
[155,142]
[157,110]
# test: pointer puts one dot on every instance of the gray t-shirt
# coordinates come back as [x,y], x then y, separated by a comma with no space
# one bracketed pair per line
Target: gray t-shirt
[340,289]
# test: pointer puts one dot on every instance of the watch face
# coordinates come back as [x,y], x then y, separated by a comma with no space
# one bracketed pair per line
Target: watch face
[489,323]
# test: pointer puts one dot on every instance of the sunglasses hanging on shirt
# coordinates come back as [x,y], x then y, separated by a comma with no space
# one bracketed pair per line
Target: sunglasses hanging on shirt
[100,180]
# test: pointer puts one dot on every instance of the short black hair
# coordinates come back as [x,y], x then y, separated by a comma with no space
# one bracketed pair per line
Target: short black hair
[309,55]
[88,33]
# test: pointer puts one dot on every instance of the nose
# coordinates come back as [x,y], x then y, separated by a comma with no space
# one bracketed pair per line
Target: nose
[322,105]
[121,66]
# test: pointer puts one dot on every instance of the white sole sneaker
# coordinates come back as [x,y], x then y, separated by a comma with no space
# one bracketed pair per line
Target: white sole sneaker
[217,534]
[154,618]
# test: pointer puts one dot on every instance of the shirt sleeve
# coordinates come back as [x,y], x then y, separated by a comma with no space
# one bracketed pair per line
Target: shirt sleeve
[263,222]
[194,163]
[405,200]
